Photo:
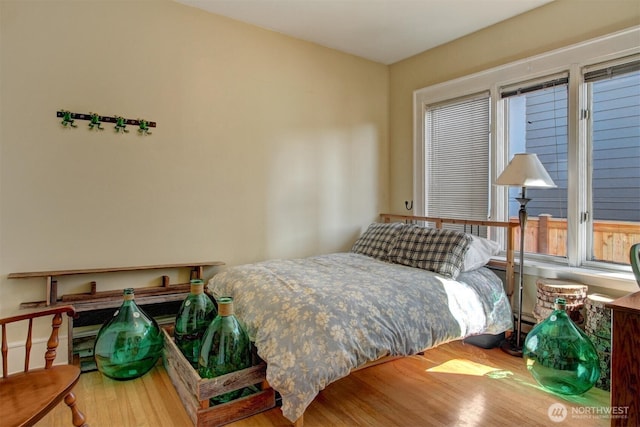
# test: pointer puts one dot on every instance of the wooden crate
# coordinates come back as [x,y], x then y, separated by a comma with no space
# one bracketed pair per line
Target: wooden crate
[195,391]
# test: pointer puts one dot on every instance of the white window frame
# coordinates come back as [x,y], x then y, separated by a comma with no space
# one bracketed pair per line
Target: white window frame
[571,59]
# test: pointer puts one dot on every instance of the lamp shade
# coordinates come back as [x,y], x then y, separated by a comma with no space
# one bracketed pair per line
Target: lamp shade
[525,170]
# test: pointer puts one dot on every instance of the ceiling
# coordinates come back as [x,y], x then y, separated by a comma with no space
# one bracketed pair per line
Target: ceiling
[384,31]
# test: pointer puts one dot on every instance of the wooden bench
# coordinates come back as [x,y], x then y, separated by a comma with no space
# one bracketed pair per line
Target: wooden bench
[94,307]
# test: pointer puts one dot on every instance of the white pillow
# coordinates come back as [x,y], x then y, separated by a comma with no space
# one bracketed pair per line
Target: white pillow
[480,252]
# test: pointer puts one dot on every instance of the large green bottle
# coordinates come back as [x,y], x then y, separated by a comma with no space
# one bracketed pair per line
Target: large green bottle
[129,344]
[225,348]
[560,356]
[194,316]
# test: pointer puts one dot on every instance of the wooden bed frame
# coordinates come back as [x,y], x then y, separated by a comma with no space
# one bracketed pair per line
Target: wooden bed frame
[508,265]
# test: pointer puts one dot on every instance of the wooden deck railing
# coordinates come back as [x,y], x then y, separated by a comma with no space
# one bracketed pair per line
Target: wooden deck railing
[612,240]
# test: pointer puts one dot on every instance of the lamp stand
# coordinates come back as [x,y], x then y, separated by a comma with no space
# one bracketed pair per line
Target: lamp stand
[513,345]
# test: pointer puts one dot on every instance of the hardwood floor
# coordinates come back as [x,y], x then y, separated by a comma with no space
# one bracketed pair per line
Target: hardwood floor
[452,385]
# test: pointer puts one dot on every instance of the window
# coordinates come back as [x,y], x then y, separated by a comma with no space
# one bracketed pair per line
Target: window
[578,108]
[612,109]
[458,135]
[536,116]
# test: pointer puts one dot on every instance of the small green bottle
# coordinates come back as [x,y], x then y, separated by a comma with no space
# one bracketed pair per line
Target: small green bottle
[129,344]
[194,316]
[225,348]
[560,356]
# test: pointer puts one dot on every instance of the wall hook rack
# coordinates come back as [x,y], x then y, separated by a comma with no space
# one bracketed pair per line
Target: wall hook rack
[407,206]
[95,121]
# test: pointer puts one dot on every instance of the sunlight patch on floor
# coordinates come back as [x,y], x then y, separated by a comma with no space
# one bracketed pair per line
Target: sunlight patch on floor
[467,367]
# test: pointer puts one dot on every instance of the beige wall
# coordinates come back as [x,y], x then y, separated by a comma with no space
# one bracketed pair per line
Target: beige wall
[557,24]
[266,146]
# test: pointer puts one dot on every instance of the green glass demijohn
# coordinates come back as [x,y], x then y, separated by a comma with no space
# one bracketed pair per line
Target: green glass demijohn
[560,356]
[194,316]
[129,344]
[225,348]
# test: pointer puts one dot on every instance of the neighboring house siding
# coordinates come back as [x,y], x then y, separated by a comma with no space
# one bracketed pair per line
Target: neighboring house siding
[616,149]
[546,126]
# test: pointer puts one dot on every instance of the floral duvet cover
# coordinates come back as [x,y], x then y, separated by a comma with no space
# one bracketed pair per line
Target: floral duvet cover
[315,319]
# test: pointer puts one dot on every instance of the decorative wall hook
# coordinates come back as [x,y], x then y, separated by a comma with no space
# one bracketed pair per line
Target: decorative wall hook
[144,127]
[406,205]
[121,124]
[95,122]
[67,118]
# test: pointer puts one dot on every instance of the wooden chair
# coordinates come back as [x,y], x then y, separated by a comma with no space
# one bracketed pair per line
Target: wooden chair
[26,397]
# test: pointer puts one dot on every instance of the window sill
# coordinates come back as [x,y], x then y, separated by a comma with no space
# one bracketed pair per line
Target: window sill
[615,280]
[623,282]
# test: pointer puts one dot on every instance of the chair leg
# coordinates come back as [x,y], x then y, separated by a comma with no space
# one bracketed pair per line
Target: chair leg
[77,417]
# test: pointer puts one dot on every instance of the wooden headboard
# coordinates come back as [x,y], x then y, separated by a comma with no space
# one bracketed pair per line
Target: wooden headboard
[508,265]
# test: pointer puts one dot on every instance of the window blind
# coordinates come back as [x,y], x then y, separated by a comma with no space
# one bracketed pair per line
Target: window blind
[457,137]
[534,85]
[600,72]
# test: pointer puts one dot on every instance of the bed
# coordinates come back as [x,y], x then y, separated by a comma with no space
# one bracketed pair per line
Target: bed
[314,320]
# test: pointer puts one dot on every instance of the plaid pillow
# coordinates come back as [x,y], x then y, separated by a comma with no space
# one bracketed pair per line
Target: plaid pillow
[378,240]
[431,249]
